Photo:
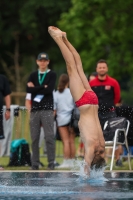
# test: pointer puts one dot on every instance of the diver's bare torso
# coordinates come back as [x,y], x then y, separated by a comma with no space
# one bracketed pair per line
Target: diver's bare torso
[90,129]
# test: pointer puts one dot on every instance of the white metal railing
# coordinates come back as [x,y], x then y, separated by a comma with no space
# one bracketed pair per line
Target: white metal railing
[18,127]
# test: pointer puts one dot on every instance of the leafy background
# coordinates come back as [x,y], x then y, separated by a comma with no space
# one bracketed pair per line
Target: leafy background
[97,28]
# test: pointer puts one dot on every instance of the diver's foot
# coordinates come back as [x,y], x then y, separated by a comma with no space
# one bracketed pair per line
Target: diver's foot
[54,32]
[64,35]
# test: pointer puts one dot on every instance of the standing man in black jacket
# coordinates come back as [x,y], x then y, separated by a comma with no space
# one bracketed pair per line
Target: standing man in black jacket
[41,84]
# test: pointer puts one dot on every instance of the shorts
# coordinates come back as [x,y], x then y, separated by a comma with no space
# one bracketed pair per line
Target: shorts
[65,125]
[89,97]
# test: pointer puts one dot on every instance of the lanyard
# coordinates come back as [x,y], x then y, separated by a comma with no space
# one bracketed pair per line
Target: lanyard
[41,79]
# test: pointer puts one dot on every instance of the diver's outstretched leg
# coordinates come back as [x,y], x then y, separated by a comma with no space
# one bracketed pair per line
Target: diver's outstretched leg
[77,61]
[74,78]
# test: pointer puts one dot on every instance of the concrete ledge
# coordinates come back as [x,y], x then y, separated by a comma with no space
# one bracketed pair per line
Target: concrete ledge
[58,171]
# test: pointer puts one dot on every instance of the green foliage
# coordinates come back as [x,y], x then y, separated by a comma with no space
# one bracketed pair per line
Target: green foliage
[97,28]
[102,29]
[27,21]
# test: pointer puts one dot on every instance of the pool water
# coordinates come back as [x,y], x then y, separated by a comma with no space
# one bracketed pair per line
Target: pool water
[64,186]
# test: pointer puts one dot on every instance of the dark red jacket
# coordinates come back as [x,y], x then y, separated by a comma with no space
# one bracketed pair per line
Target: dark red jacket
[107,91]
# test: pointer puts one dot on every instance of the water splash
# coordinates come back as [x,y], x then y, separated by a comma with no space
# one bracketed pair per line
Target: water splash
[95,175]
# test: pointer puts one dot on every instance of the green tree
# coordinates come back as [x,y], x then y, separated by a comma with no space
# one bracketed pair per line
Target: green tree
[23,34]
[102,29]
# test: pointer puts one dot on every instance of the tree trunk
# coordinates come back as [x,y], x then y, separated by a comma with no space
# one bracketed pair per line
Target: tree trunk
[16,63]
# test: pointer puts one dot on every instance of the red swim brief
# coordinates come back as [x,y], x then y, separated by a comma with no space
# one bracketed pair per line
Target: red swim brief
[89,97]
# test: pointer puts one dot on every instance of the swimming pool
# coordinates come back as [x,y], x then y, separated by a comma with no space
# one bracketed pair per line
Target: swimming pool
[64,186]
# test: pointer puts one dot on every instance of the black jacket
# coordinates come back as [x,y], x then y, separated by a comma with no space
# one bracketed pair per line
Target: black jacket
[107,91]
[47,101]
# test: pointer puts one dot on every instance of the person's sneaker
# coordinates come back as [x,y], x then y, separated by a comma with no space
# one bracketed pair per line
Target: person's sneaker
[71,163]
[51,166]
[41,164]
[118,163]
[34,168]
[56,164]
[65,164]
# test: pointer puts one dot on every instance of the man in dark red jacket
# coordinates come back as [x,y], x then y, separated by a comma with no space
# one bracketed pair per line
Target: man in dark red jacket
[107,90]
